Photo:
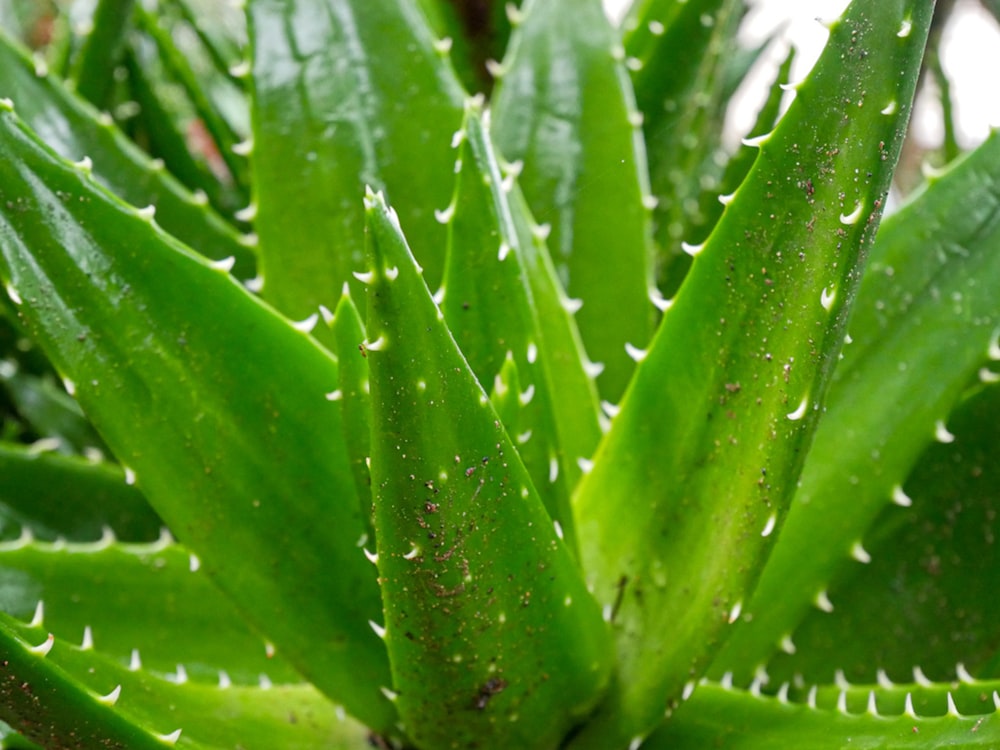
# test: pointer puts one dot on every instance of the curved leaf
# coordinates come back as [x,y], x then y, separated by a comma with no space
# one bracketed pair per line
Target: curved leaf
[243,458]
[705,454]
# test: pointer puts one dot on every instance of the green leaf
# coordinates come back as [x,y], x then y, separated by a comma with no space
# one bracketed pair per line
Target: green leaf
[563,106]
[479,32]
[67,696]
[682,51]
[927,305]
[243,458]
[345,93]
[223,136]
[355,402]
[924,595]
[48,410]
[736,720]
[488,302]
[179,625]
[55,495]
[97,57]
[77,132]
[705,454]
[468,559]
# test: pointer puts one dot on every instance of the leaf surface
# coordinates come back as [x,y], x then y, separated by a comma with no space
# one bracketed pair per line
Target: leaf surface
[346,93]
[564,107]
[242,457]
[489,627]
[76,131]
[929,310]
[705,454]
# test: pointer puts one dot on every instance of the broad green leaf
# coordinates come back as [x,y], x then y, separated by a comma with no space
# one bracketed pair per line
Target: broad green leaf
[924,595]
[63,695]
[564,107]
[729,719]
[218,409]
[927,305]
[705,454]
[178,625]
[488,304]
[489,626]
[346,93]
[66,496]
[77,132]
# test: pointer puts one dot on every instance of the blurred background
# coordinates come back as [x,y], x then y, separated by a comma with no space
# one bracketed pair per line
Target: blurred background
[970,61]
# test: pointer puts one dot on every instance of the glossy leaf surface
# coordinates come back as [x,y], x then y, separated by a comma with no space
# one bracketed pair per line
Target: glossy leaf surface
[563,106]
[911,309]
[238,460]
[346,93]
[452,504]
[707,448]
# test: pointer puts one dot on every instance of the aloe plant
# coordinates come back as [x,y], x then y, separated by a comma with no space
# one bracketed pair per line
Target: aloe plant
[504,412]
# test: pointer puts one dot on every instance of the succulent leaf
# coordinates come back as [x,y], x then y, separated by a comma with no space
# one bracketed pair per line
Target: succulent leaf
[933,274]
[238,459]
[564,107]
[923,595]
[738,720]
[78,133]
[56,495]
[65,696]
[488,303]
[452,504]
[374,103]
[707,448]
[79,589]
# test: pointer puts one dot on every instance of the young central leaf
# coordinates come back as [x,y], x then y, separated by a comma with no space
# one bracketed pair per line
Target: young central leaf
[489,627]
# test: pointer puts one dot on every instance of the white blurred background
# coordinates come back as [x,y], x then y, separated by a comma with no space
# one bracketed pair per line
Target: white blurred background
[970,58]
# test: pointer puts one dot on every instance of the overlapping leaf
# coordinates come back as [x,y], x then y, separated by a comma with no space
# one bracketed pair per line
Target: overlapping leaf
[927,305]
[241,456]
[706,451]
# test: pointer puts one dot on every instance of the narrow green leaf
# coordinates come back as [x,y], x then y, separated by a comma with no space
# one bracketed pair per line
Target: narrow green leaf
[682,51]
[179,69]
[564,107]
[707,449]
[479,32]
[55,495]
[488,304]
[729,719]
[353,396]
[160,127]
[740,163]
[48,706]
[78,132]
[94,66]
[345,93]
[243,458]
[48,410]
[926,321]
[453,503]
